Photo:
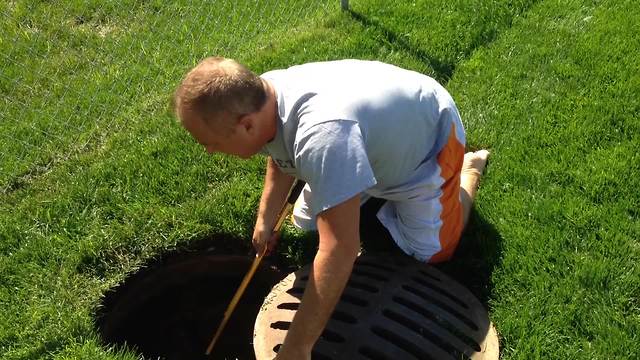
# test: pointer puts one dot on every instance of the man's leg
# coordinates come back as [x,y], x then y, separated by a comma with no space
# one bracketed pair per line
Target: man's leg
[428,227]
[375,236]
[472,168]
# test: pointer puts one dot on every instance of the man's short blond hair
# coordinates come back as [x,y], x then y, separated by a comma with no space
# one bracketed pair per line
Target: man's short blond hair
[219,88]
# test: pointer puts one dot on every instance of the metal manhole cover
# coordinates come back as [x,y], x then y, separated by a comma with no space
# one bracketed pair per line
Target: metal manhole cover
[392,308]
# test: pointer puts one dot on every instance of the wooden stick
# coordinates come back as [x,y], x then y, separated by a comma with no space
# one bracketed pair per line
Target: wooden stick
[235,299]
[293,195]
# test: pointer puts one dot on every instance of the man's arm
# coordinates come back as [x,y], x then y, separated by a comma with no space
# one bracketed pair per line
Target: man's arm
[276,187]
[338,228]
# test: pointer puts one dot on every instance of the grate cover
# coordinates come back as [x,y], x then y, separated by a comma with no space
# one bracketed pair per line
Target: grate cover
[392,308]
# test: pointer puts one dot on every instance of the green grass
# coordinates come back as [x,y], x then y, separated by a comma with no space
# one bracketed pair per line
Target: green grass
[96,178]
[560,111]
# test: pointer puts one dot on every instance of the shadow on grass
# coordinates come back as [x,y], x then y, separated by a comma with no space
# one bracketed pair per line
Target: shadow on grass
[478,254]
[443,70]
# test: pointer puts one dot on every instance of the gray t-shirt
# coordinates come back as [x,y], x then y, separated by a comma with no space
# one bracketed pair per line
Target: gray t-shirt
[352,126]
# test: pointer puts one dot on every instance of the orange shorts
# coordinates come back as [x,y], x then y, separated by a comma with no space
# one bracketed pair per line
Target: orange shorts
[450,160]
[428,227]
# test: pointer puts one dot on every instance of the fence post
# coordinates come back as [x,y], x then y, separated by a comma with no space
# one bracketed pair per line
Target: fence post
[345,4]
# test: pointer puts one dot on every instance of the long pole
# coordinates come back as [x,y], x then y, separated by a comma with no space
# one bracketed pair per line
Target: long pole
[295,191]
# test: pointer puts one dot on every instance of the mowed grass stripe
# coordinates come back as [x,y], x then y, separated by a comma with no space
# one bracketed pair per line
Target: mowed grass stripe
[556,99]
[77,84]
[440,33]
[72,70]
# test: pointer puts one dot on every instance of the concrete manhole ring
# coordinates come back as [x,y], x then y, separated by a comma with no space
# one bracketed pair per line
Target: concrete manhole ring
[392,308]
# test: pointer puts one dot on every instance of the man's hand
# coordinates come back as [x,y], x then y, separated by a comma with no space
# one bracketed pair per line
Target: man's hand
[264,236]
[274,194]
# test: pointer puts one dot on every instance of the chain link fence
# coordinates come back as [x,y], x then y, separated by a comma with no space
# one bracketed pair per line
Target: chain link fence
[73,72]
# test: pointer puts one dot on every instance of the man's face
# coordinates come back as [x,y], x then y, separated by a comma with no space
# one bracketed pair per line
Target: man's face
[219,140]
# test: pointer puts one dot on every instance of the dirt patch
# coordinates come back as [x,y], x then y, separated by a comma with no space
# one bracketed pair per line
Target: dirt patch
[172,309]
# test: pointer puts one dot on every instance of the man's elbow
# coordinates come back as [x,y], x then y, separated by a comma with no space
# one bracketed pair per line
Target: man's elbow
[338,228]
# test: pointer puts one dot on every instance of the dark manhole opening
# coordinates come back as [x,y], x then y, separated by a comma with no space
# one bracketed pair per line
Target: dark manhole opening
[171,310]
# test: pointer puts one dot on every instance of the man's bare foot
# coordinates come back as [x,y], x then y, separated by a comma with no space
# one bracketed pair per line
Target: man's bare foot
[475,162]
[472,168]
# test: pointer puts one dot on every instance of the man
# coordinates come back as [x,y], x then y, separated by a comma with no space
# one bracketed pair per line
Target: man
[352,130]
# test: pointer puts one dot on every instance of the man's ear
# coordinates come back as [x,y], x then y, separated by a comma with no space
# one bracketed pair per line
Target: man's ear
[247,123]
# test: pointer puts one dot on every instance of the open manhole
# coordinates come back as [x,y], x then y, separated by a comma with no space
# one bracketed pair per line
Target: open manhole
[392,308]
[171,310]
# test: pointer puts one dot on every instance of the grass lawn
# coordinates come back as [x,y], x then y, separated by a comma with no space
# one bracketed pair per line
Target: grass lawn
[96,178]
